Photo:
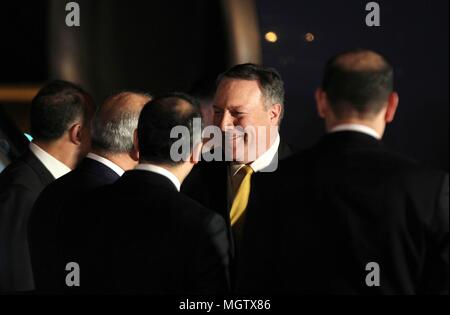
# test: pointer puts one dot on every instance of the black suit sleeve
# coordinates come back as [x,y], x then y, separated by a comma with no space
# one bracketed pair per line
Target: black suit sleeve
[15,269]
[43,242]
[436,275]
[212,258]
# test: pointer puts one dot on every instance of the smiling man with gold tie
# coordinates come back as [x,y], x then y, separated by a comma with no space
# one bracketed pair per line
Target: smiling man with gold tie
[248,108]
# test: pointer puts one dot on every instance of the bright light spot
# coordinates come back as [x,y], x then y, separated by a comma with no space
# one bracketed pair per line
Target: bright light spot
[271,37]
[30,138]
[309,37]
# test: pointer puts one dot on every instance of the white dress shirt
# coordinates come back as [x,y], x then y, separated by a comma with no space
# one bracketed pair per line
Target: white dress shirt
[161,171]
[358,128]
[54,166]
[113,166]
[265,160]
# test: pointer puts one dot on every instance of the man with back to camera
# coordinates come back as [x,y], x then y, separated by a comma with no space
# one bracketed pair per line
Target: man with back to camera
[61,114]
[247,96]
[151,238]
[350,216]
[58,219]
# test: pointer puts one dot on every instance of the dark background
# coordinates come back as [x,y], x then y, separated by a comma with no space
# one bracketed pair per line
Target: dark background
[23,39]
[160,46]
[414,37]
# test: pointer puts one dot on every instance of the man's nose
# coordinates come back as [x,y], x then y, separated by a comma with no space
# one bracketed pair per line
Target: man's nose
[226,122]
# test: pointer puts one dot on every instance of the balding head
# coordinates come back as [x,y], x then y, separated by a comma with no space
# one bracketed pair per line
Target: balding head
[115,122]
[358,82]
[123,102]
[360,60]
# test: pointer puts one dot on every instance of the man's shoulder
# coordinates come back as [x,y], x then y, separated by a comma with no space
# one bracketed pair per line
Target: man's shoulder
[204,173]
[193,206]
[389,160]
[76,179]
[19,172]
[58,190]
[377,162]
[20,184]
[153,199]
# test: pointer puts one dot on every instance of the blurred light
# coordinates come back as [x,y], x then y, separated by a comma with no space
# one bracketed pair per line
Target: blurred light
[18,93]
[309,37]
[271,37]
[30,138]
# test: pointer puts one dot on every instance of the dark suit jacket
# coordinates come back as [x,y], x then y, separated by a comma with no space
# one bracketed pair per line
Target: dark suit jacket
[20,185]
[339,206]
[152,239]
[208,184]
[55,218]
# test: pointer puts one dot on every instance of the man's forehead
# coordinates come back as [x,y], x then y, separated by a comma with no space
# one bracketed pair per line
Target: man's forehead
[238,92]
[231,83]
[230,106]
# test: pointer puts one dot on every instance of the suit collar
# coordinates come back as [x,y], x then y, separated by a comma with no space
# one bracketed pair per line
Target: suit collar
[357,128]
[113,166]
[161,171]
[264,163]
[99,169]
[350,139]
[284,151]
[36,165]
[53,165]
[142,178]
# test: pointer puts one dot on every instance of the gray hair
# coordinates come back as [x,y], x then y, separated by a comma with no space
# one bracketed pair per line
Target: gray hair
[116,135]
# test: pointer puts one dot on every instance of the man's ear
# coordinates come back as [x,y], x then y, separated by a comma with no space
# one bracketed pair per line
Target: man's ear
[275,114]
[322,103]
[392,107]
[135,155]
[196,153]
[75,135]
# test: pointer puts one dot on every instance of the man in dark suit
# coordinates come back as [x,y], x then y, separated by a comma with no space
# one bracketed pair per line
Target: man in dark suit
[57,212]
[248,109]
[151,238]
[60,124]
[349,216]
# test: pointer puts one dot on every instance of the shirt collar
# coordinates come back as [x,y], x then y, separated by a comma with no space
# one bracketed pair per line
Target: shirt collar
[263,161]
[161,171]
[113,166]
[358,128]
[54,166]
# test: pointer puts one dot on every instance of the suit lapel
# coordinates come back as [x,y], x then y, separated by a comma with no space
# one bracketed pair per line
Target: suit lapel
[219,188]
[284,151]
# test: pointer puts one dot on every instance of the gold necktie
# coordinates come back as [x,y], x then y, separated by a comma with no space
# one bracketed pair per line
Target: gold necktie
[241,200]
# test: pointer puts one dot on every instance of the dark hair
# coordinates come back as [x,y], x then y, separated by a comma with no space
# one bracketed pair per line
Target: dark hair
[55,107]
[270,81]
[204,89]
[158,118]
[360,89]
